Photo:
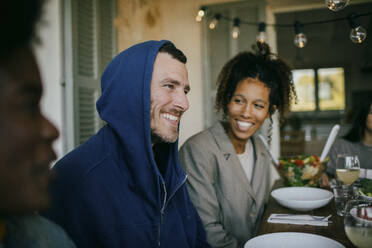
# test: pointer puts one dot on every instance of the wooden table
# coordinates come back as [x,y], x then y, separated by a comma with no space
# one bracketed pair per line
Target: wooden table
[333,231]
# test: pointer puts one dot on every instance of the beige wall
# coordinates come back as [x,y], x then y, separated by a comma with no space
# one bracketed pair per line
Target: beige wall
[174,20]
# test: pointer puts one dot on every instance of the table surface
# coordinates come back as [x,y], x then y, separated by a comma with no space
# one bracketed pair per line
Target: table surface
[334,230]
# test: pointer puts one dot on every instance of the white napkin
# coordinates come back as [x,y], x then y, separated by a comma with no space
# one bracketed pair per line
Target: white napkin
[297,219]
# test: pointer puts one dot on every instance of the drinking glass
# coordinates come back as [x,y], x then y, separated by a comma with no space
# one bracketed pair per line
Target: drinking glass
[347,168]
[347,171]
[358,223]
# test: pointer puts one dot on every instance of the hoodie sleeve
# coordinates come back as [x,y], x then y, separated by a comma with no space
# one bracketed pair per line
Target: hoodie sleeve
[75,211]
[201,235]
[199,165]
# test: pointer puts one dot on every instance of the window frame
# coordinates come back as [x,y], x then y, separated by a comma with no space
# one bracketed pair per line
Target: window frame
[326,115]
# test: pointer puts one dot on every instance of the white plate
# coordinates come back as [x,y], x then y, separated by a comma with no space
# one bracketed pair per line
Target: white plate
[292,240]
[302,198]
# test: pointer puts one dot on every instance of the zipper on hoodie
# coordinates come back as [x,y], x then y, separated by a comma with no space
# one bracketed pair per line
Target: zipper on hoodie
[162,210]
[174,192]
[165,203]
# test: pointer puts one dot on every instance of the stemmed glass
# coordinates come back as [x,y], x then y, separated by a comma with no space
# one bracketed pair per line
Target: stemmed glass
[347,168]
[347,171]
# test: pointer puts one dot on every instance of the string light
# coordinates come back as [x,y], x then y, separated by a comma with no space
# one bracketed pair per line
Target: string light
[336,5]
[357,33]
[201,14]
[215,21]
[300,39]
[236,28]
[261,37]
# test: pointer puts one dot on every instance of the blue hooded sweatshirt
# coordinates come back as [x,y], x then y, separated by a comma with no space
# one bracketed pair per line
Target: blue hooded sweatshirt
[109,191]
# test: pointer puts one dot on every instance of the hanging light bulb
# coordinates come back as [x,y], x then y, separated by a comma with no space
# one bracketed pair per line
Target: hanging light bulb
[215,21]
[300,39]
[357,33]
[261,37]
[236,30]
[200,14]
[336,5]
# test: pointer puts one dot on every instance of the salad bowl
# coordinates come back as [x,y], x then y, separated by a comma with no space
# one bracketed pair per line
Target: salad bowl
[301,170]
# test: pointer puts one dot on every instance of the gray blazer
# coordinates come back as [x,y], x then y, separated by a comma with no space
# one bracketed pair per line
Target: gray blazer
[229,206]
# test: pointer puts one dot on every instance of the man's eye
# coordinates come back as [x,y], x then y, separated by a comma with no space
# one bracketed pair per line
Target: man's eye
[169,86]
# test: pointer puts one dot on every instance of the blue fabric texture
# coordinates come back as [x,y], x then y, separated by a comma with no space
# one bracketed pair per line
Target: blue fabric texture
[109,192]
[34,231]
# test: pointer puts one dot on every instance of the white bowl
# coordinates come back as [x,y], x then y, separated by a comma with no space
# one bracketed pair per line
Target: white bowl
[292,240]
[366,198]
[302,198]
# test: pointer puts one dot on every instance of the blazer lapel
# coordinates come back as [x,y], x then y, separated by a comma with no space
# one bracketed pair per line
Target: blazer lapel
[231,159]
[258,172]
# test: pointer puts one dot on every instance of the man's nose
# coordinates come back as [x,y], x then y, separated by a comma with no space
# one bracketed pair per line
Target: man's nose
[181,102]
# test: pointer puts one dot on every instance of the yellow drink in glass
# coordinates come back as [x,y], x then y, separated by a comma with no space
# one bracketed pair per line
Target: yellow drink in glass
[348,176]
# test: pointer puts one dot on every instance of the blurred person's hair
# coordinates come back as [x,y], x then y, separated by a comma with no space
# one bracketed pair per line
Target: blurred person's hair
[359,118]
[17,24]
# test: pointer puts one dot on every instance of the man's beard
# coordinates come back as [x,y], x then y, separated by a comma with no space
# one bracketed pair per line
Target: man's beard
[157,137]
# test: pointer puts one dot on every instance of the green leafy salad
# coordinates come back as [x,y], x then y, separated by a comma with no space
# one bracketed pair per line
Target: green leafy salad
[301,170]
[366,187]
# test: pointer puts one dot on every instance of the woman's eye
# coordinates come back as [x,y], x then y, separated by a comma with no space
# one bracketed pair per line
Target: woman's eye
[239,101]
[259,106]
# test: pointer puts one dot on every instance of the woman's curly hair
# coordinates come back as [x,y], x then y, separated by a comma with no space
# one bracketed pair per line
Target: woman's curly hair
[264,66]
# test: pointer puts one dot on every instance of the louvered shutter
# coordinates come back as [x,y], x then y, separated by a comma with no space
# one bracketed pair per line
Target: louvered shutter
[106,38]
[93,46]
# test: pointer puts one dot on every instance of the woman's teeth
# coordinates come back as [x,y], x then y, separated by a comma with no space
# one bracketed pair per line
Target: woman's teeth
[244,125]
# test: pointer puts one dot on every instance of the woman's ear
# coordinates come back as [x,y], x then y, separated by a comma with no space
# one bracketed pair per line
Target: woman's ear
[272,110]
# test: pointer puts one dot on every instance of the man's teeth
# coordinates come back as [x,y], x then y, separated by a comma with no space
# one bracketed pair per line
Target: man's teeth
[244,124]
[170,117]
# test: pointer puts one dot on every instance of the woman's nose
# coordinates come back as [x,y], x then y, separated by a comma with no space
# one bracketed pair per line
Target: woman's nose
[247,111]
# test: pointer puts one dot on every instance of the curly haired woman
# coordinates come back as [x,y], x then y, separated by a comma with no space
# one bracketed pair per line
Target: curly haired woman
[227,165]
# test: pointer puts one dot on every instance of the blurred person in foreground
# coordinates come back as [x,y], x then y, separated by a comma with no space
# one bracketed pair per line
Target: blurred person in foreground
[358,141]
[228,166]
[124,187]
[26,135]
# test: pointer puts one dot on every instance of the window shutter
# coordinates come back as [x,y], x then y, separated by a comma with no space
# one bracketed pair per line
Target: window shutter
[107,34]
[93,48]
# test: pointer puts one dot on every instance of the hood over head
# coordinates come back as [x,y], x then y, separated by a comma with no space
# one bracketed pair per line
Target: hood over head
[125,106]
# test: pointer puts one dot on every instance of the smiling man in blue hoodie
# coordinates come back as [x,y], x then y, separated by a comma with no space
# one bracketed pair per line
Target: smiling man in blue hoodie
[124,187]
